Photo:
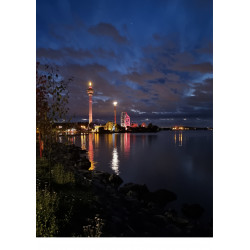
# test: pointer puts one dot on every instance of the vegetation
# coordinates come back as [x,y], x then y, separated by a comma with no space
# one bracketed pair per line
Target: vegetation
[51,102]
[46,207]
[63,203]
[60,176]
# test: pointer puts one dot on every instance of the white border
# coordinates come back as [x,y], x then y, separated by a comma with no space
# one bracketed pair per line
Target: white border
[231,136]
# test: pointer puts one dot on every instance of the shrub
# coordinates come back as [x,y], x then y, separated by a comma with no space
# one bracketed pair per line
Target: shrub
[46,206]
[61,176]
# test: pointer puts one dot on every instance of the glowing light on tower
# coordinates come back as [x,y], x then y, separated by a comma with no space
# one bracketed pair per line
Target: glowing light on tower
[90,92]
[115,104]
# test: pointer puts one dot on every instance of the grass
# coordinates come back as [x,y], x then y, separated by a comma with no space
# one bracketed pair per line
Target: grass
[46,206]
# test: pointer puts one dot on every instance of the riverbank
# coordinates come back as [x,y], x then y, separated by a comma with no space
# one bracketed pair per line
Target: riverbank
[74,201]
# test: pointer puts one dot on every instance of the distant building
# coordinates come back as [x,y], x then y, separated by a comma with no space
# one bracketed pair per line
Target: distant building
[134,125]
[179,128]
[143,125]
[125,120]
[97,127]
[109,126]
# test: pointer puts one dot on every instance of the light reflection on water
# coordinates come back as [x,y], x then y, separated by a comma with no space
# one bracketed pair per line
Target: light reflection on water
[91,152]
[115,161]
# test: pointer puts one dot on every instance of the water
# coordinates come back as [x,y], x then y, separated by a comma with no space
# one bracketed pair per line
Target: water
[180,161]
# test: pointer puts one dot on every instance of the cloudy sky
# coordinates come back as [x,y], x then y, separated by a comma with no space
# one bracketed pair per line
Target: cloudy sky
[155,58]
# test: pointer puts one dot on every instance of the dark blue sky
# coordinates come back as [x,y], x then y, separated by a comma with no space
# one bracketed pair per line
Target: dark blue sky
[154,57]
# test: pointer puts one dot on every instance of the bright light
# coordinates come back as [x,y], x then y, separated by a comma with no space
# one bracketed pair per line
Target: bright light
[115,103]
[90,83]
[115,161]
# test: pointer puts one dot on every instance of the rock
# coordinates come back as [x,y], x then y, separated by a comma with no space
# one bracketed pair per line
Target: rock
[115,180]
[102,176]
[86,165]
[193,211]
[116,219]
[172,230]
[135,190]
[170,212]
[162,196]
[180,221]
[98,184]
[159,220]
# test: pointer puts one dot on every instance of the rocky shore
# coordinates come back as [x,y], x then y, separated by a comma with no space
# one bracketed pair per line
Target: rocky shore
[112,208]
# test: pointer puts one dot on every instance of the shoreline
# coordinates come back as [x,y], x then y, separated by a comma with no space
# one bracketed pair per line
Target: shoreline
[133,132]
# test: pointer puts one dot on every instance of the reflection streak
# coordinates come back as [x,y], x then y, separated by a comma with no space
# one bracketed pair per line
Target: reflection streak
[180,139]
[115,161]
[91,152]
[126,144]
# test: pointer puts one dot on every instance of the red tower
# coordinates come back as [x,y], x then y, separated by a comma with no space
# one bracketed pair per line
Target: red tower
[90,92]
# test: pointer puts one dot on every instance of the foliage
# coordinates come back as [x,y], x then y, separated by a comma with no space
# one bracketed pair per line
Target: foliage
[60,176]
[51,98]
[46,206]
[94,229]
[42,166]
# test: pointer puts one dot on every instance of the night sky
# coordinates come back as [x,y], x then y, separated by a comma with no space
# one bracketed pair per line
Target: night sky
[155,58]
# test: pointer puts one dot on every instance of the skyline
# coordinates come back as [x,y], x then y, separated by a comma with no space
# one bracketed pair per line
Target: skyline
[155,59]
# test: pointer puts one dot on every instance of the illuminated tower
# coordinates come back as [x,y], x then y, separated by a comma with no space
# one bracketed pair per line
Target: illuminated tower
[90,92]
[125,120]
[115,103]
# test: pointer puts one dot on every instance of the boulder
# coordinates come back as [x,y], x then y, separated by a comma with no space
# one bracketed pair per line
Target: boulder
[115,180]
[138,191]
[85,165]
[159,220]
[193,211]
[162,197]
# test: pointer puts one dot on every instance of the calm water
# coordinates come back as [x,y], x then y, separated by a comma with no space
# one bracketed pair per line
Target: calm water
[179,161]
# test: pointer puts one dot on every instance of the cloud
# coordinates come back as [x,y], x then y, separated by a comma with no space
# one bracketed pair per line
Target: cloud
[100,52]
[62,54]
[137,111]
[202,99]
[106,29]
[205,67]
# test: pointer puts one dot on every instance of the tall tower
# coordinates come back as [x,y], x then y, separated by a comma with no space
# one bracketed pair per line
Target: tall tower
[90,92]
[115,103]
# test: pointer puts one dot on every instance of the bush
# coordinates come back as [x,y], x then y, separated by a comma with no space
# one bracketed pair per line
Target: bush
[46,206]
[94,229]
[60,176]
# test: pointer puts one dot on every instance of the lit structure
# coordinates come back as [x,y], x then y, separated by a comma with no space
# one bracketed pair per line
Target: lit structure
[90,92]
[109,126]
[125,120]
[179,128]
[115,104]
[134,125]
[97,127]
[143,125]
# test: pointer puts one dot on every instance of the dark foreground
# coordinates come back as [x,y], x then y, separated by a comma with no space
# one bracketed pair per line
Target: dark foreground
[73,201]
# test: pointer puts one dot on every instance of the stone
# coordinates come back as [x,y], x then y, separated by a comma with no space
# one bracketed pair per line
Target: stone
[85,166]
[159,220]
[115,180]
[162,197]
[193,211]
[138,191]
